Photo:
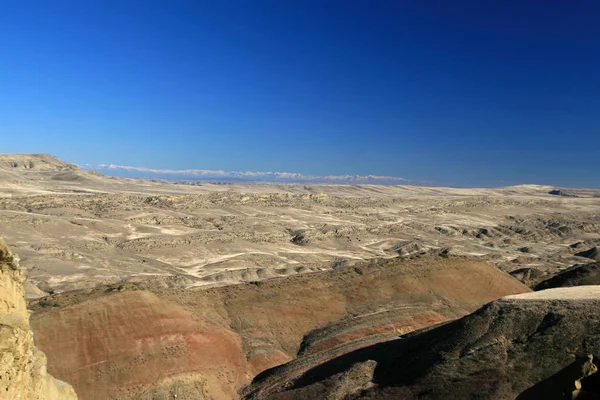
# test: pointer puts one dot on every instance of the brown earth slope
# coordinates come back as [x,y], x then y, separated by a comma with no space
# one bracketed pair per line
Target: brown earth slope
[138,341]
[541,345]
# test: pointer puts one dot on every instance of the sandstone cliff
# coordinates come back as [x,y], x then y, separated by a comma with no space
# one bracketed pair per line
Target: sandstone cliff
[23,373]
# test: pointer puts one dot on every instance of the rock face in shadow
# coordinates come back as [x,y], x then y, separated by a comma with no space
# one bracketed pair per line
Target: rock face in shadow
[22,366]
[593,254]
[533,345]
[577,380]
[577,275]
[131,341]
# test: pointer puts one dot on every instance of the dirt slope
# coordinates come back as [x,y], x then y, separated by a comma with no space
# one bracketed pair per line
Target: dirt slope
[528,346]
[115,345]
[139,341]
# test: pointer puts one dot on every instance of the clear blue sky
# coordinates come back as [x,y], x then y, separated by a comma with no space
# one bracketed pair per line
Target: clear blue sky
[470,93]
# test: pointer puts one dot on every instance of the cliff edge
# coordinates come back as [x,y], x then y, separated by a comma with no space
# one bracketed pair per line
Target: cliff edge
[23,373]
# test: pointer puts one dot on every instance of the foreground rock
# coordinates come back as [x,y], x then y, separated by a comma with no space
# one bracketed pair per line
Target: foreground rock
[22,366]
[136,341]
[541,345]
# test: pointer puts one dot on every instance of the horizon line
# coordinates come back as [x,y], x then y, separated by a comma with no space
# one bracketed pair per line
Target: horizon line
[249,175]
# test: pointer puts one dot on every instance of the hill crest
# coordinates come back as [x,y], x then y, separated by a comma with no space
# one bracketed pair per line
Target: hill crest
[38,162]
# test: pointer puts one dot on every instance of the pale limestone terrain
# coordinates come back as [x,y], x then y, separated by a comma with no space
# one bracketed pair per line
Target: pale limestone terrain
[76,229]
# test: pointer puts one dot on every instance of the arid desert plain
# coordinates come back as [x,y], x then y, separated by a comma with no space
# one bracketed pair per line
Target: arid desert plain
[146,289]
[76,229]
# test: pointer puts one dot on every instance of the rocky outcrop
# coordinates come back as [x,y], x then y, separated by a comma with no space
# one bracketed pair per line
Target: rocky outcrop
[541,345]
[23,373]
[131,341]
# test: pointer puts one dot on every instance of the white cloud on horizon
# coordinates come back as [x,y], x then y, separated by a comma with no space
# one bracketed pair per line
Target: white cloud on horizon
[249,175]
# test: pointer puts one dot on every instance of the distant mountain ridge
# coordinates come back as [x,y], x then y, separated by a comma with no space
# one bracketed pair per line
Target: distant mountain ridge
[239,176]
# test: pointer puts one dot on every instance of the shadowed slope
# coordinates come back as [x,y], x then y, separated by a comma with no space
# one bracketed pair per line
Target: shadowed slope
[593,254]
[504,349]
[577,275]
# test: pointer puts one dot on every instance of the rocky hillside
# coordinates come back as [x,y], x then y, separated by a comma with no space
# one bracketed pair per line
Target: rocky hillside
[22,366]
[541,345]
[40,162]
[142,342]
